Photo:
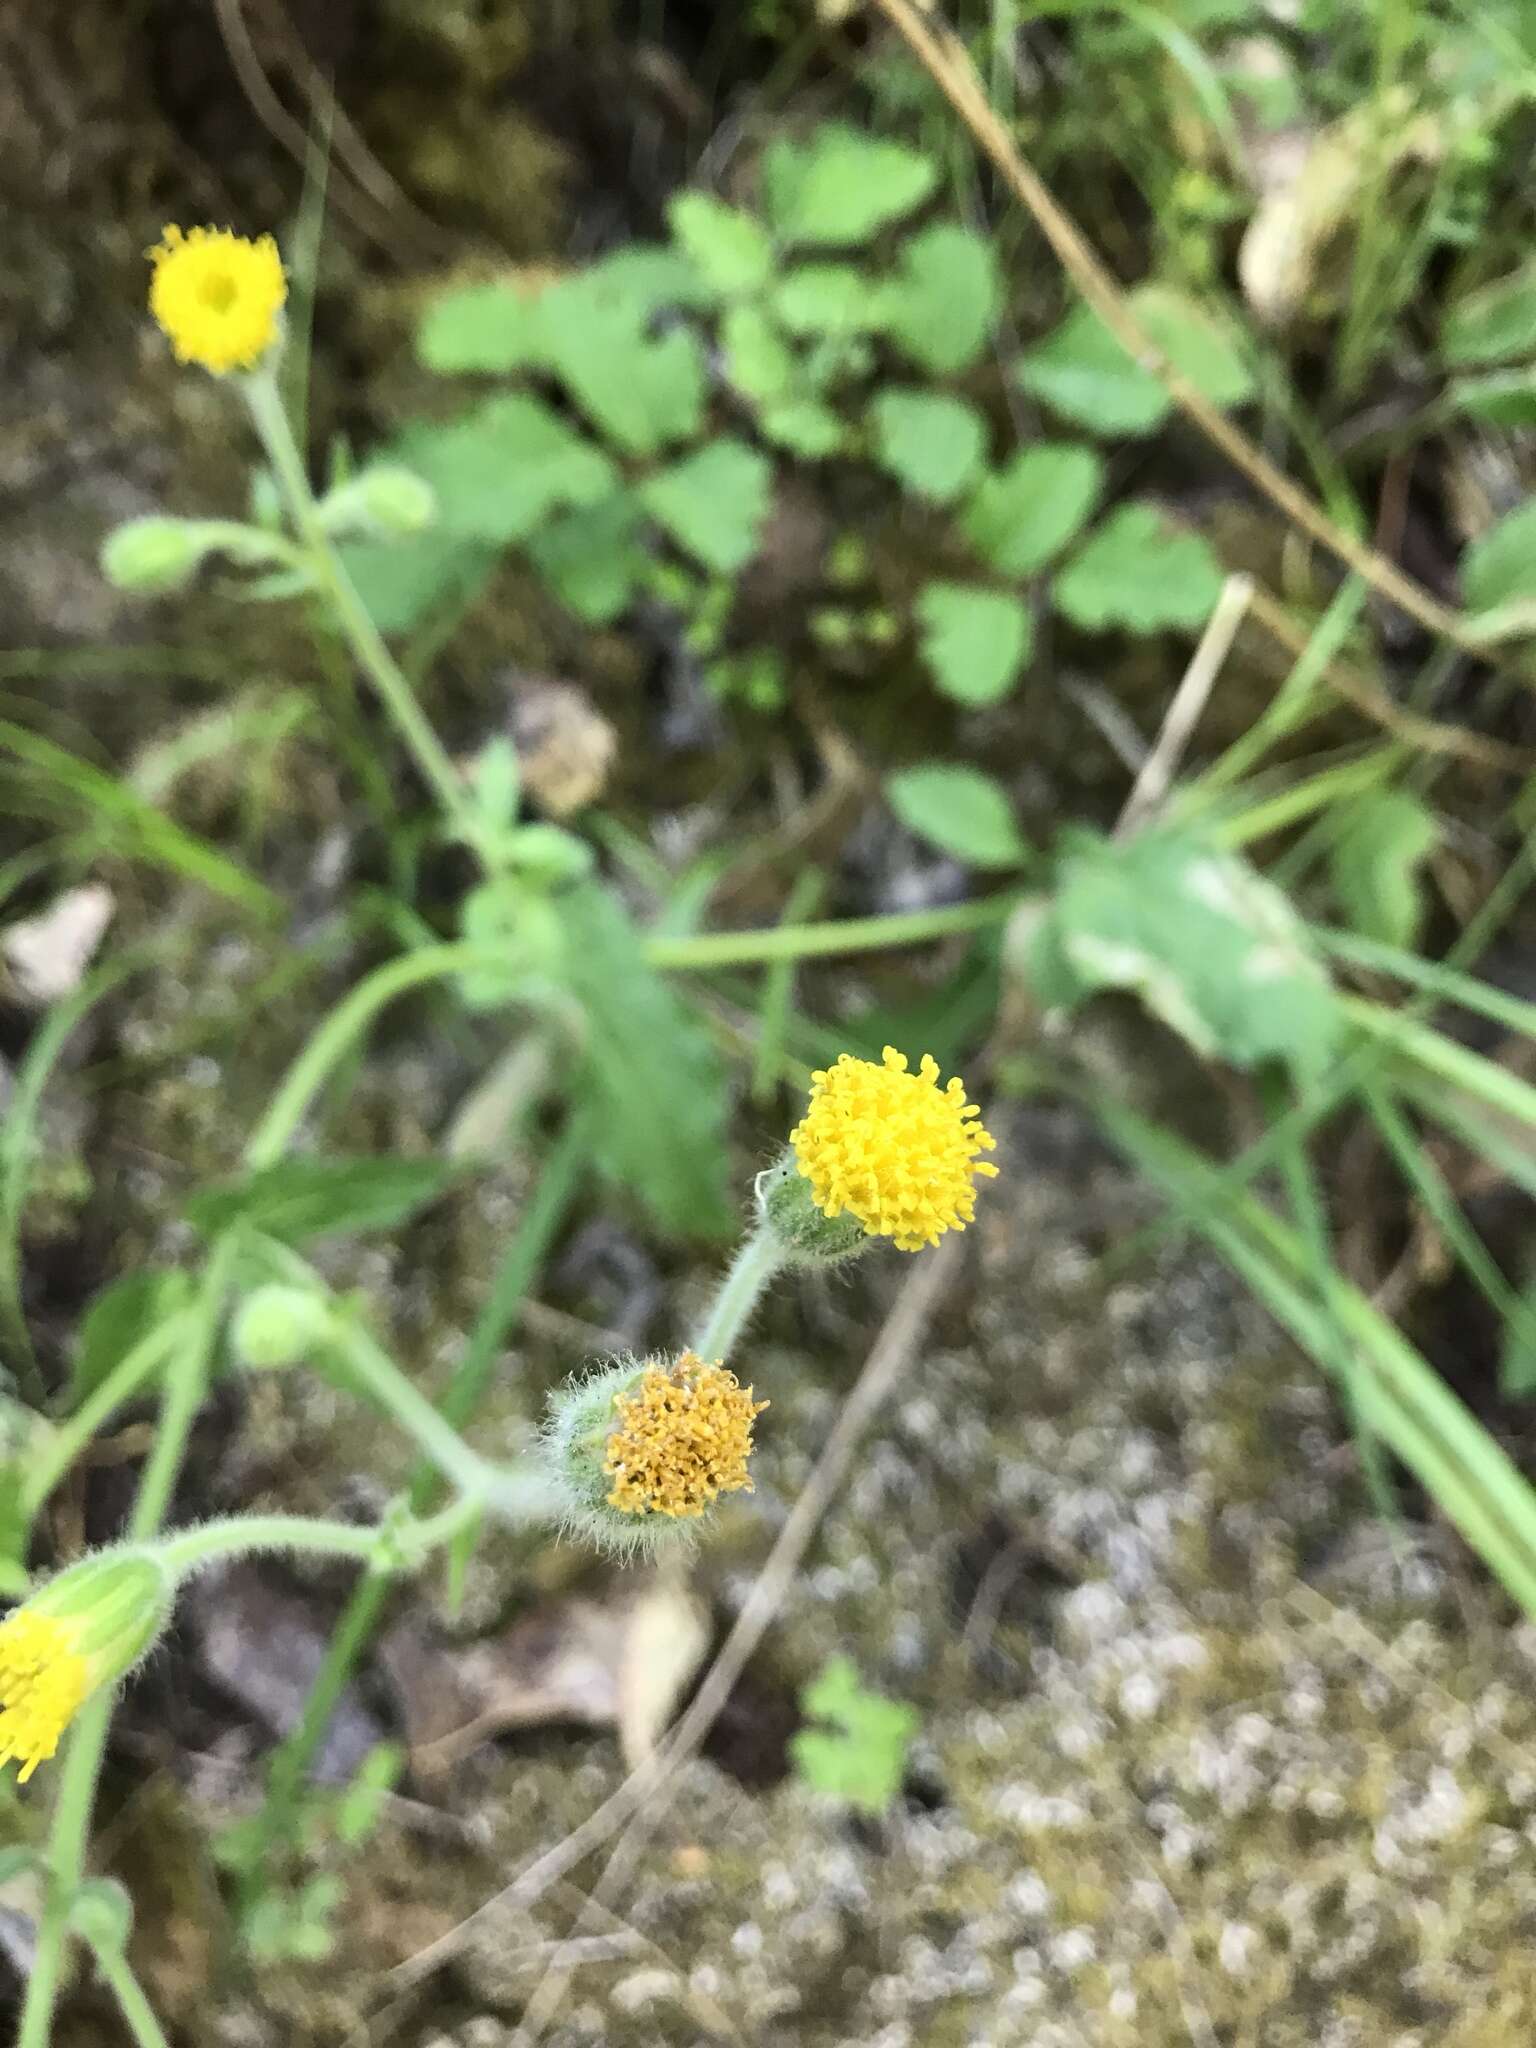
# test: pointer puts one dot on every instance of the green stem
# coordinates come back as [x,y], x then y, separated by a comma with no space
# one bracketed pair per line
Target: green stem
[312,1535]
[363,635]
[67,1838]
[372,1365]
[138,2014]
[354,1630]
[752,1268]
[69,1437]
[837,935]
[340,1031]
[69,1831]
[185,1385]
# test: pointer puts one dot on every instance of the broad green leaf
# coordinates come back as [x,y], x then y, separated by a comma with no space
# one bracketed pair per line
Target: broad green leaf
[1500,567]
[1026,512]
[401,582]
[1493,324]
[960,811]
[481,327]
[118,1317]
[758,361]
[942,303]
[804,426]
[714,503]
[1382,841]
[1209,946]
[729,248]
[1139,571]
[643,391]
[500,469]
[827,299]
[650,1072]
[1082,371]
[650,278]
[841,186]
[930,441]
[592,557]
[299,1200]
[974,641]
[861,1757]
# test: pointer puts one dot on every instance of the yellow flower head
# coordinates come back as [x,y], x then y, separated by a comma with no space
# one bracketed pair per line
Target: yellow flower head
[892,1149]
[43,1682]
[217,296]
[683,1438]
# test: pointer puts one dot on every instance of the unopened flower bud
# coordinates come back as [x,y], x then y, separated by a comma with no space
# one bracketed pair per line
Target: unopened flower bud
[386,502]
[643,1448]
[155,553]
[277,1326]
[84,1629]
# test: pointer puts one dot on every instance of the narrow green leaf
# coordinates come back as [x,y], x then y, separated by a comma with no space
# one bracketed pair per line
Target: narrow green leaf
[300,1200]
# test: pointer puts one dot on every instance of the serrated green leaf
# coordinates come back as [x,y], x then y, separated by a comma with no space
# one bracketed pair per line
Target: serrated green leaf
[729,248]
[1139,571]
[930,441]
[862,1757]
[1500,567]
[1082,371]
[713,503]
[960,811]
[841,186]
[650,1072]
[1027,511]
[593,557]
[827,299]
[974,640]
[119,1316]
[643,391]
[942,303]
[758,360]
[1383,839]
[484,327]
[804,426]
[300,1200]
[1208,945]
[1493,324]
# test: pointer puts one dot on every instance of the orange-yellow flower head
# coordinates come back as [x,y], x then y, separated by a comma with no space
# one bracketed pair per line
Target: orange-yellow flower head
[43,1683]
[683,1437]
[218,296]
[893,1149]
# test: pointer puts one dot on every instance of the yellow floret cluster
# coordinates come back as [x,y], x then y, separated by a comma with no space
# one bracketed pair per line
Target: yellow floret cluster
[43,1682]
[892,1148]
[683,1437]
[218,296]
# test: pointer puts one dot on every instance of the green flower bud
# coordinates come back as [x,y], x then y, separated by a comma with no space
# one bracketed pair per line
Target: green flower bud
[154,553]
[85,1629]
[396,501]
[277,1326]
[787,1205]
[387,502]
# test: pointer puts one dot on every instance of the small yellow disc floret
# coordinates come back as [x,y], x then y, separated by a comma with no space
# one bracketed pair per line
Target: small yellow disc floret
[893,1149]
[218,296]
[683,1438]
[43,1681]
